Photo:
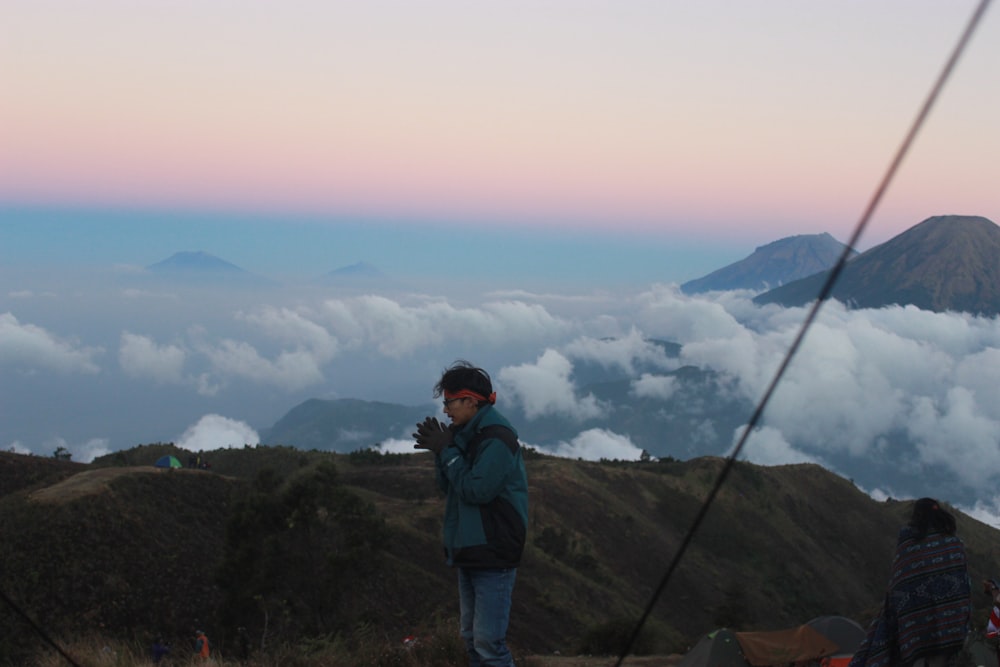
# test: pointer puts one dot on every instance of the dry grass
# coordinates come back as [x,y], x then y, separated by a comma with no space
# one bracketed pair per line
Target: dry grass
[101,653]
[781,545]
[603,661]
[91,482]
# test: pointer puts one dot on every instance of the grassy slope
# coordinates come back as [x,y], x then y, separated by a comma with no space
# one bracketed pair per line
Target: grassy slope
[780,546]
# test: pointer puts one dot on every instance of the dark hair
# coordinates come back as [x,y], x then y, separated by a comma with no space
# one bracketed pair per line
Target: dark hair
[463,375]
[928,517]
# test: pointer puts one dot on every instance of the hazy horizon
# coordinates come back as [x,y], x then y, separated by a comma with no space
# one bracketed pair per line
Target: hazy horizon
[106,363]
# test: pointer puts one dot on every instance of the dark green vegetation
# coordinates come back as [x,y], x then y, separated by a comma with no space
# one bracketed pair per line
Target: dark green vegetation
[302,547]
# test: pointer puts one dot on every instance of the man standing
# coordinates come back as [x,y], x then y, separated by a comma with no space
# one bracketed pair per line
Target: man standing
[480,468]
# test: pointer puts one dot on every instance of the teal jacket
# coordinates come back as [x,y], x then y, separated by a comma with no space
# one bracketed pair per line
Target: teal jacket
[486,486]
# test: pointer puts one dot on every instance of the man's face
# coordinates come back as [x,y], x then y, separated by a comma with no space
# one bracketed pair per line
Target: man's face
[460,410]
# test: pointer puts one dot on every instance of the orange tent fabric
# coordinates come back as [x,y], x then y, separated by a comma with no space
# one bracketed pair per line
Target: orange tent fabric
[782,647]
[842,661]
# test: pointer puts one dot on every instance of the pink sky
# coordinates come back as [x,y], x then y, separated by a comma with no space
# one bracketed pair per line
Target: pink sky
[762,118]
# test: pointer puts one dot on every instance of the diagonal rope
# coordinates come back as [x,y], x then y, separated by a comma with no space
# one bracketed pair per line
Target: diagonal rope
[811,317]
[39,629]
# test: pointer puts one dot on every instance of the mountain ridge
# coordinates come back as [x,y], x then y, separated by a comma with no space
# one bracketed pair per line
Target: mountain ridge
[776,263]
[357,270]
[195,260]
[781,545]
[945,263]
[200,268]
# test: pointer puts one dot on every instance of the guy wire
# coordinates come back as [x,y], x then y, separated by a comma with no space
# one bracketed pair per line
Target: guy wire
[824,293]
[38,629]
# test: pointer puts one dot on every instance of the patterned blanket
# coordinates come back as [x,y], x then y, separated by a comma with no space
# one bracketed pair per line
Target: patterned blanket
[927,608]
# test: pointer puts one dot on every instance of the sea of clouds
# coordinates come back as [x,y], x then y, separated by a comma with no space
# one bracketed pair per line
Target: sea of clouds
[211,369]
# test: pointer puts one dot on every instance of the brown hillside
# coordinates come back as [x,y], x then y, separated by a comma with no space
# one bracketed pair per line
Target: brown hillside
[141,552]
[776,263]
[96,481]
[19,472]
[945,263]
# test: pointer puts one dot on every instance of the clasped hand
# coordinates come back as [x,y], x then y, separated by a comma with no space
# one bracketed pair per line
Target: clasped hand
[432,435]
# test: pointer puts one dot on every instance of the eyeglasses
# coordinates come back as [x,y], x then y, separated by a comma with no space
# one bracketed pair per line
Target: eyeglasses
[449,401]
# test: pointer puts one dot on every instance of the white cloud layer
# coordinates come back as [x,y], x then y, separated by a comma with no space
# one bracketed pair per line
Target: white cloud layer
[217,432]
[621,352]
[397,330]
[595,444]
[591,445]
[862,380]
[545,388]
[30,348]
[767,447]
[83,452]
[141,357]
[654,386]
[396,446]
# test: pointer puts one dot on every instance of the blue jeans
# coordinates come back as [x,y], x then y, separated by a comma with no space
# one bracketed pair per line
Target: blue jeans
[484,596]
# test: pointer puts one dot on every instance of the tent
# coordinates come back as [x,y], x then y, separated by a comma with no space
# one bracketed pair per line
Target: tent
[716,649]
[826,637]
[168,462]
[847,634]
[836,661]
[781,647]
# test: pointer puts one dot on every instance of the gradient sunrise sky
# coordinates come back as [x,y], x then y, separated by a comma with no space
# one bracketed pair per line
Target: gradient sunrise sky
[704,121]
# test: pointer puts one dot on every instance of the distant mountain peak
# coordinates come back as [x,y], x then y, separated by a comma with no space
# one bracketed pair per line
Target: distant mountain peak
[358,275]
[196,267]
[358,269]
[945,263]
[773,264]
[194,260]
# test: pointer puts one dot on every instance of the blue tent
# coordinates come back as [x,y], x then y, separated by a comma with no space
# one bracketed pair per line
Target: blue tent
[168,462]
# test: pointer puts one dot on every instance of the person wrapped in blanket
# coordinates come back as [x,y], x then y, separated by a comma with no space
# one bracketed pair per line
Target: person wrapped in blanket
[992,588]
[927,608]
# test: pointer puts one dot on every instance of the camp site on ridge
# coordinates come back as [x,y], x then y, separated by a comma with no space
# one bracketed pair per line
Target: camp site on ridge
[167,462]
